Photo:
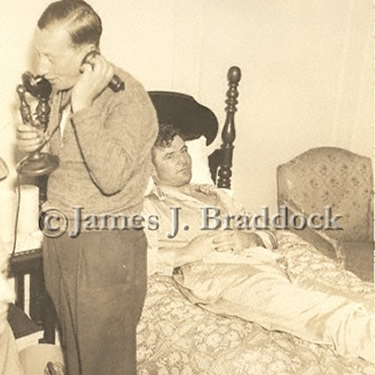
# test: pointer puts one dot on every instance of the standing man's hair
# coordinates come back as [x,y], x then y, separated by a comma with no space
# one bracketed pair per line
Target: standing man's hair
[82,22]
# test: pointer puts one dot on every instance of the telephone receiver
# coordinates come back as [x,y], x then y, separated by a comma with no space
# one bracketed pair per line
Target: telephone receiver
[116,84]
[37,86]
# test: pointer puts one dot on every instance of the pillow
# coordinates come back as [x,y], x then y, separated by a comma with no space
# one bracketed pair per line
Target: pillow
[199,153]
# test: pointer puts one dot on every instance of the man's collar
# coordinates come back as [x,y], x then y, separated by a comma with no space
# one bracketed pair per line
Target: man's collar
[66,97]
[162,192]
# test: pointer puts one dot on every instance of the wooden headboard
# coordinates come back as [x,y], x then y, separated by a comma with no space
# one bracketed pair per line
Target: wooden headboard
[193,120]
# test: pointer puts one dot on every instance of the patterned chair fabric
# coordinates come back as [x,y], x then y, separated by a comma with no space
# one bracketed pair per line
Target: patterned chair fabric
[333,177]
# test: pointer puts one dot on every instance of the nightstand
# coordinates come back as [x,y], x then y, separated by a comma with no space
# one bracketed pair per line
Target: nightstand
[41,308]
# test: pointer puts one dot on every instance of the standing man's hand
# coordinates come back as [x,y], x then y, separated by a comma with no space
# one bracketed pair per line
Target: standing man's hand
[95,77]
[29,138]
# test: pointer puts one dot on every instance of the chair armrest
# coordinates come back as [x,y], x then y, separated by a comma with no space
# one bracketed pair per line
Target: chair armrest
[318,238]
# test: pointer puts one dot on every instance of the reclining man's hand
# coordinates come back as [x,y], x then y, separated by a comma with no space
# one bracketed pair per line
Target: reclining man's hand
[207,243]
[29,138]
[201,246]
[197,248]
[236,241]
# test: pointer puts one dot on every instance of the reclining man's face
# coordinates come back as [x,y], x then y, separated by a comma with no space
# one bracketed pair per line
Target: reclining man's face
[6,293]
[172,164]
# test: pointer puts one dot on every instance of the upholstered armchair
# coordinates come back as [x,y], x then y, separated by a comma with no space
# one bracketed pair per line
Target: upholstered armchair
[341,180]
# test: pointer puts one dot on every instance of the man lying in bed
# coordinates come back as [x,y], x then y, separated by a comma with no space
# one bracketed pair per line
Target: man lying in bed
[235,272]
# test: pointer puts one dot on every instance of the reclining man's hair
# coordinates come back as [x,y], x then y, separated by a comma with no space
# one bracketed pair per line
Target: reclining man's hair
[166,136]
[83,23]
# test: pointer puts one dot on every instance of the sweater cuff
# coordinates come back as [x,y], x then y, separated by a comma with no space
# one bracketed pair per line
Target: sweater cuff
[166,262]
[268,239]
[85,119]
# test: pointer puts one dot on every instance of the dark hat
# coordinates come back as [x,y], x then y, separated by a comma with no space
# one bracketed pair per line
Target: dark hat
[185,114]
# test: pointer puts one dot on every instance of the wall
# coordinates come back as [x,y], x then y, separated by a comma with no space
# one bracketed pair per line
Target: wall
[306,65]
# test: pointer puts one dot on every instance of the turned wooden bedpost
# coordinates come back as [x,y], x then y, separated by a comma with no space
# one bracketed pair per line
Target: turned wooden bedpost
[228,134]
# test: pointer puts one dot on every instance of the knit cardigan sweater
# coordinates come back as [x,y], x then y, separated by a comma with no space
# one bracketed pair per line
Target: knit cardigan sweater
[104,153]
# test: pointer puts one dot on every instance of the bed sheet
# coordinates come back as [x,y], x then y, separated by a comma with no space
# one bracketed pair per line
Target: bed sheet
[178,338]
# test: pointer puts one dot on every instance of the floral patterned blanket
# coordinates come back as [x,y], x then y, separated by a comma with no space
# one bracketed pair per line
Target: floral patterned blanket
[178,338]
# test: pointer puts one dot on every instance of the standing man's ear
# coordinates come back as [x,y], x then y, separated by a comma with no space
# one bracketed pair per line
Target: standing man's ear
[86,50]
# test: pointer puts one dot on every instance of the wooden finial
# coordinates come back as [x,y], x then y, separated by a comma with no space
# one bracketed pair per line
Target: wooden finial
[234,74]
[228,134]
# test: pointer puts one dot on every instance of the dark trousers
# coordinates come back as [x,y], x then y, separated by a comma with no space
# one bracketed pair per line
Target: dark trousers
[97,282]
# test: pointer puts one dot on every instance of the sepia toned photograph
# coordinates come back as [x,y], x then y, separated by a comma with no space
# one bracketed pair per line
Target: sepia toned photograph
[186,187]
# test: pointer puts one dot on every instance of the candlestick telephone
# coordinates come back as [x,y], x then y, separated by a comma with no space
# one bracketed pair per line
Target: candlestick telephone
[37,163]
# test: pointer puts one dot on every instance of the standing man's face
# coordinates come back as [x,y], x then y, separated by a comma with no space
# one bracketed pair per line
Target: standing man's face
[6,293]
[57,59]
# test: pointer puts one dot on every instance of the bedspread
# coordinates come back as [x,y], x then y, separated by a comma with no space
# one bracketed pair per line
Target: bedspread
[178,338]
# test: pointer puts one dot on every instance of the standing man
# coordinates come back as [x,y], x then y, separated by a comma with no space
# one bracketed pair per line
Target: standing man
[96,278]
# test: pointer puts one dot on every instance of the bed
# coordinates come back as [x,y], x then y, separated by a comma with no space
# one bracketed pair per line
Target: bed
[176,337]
